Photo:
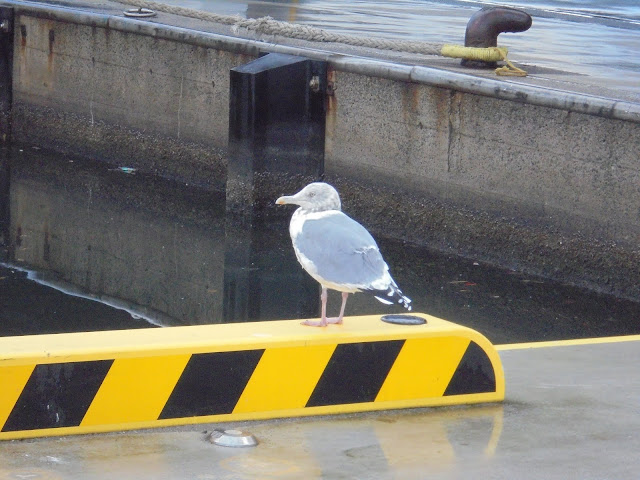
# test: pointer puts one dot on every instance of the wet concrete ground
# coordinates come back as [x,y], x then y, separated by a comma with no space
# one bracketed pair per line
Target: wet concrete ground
[571,412]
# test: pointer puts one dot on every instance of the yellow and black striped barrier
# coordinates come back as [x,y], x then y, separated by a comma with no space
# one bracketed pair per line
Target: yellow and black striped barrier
[104,381]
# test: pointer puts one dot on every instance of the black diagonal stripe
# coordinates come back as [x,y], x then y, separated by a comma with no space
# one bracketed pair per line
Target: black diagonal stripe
[474,373]
[211,384]
[355,373]
[57,395]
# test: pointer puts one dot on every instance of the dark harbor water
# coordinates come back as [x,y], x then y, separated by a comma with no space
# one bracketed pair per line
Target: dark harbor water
[88,246]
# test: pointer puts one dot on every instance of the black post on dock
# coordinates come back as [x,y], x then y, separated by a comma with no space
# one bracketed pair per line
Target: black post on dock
[276,146]
[276,129]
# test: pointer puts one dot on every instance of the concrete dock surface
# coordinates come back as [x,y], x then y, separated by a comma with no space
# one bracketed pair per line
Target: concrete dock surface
[572,411]
[556,79]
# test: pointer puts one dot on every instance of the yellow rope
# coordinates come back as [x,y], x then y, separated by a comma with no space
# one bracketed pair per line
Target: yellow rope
[269,26]
[510,70]
[489,54]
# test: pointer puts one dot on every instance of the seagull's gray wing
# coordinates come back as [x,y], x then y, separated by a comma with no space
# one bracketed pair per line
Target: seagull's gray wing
[342,251]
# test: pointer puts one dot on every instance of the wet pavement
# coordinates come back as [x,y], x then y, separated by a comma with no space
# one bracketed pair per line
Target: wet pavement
[588,38]
[570,412]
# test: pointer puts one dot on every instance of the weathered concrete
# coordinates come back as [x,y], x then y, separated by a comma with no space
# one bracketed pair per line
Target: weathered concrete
[532,178]
[531,187]
[95,92]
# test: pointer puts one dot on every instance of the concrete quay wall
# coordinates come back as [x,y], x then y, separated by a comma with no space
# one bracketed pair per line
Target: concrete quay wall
[529,178]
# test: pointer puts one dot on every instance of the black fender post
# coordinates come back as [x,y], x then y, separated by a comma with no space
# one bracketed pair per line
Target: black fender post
[276,144]
[485,25]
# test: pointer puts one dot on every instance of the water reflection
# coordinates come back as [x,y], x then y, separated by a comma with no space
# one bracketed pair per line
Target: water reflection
[154,249]
[130,237]
[380,445]
[68,290]
[262,278]
[162,253]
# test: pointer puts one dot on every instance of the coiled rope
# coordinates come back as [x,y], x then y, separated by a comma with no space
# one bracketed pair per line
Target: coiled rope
[269,26]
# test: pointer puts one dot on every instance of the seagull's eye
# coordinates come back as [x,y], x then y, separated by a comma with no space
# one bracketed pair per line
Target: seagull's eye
[312,194]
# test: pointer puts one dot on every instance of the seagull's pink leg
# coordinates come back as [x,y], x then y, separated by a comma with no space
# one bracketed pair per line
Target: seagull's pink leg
[338,320]
[323,319]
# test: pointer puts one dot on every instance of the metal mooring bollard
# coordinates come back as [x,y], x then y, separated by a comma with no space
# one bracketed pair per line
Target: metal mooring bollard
[485,25]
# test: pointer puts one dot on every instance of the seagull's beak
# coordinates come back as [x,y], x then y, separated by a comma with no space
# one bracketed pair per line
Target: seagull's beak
[284,200]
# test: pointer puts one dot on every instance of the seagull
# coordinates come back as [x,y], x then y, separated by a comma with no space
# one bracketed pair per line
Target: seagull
[337,251]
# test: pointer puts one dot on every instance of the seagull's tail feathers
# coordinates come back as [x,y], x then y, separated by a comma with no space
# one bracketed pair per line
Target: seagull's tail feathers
[393,295]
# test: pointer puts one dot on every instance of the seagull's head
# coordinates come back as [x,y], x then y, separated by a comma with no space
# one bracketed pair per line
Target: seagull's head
[315,197]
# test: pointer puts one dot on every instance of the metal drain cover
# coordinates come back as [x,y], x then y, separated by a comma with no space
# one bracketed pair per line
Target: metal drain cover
[403,319]
[232,438]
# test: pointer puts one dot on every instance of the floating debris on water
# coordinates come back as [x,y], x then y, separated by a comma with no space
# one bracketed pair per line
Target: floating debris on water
[127,170]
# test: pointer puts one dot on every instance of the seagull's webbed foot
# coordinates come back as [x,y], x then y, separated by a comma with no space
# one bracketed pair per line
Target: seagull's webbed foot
[324,321]
[315,323]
